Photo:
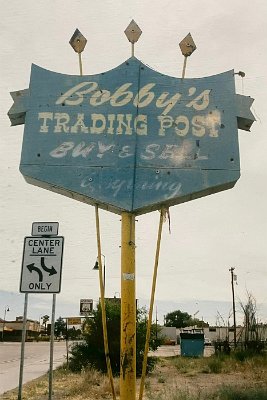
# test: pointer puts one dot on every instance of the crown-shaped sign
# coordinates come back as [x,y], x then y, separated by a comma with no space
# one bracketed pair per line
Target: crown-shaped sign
[131,139]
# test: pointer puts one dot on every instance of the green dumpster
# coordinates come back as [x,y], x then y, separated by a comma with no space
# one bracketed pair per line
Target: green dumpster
[192,344]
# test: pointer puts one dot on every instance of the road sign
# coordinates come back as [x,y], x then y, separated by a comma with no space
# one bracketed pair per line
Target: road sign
[41,265]
[45,228]
[86,306]
[74,321]
[131,139]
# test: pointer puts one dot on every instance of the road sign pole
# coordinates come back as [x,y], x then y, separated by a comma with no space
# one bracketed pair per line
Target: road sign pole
[52,347]
[128,309]
[23,339]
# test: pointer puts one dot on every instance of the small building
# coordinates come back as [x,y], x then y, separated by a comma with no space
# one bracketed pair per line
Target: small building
[12,330]
[168,334]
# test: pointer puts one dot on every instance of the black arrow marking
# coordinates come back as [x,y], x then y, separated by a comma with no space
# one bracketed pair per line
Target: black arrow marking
[51,270]
[32,267]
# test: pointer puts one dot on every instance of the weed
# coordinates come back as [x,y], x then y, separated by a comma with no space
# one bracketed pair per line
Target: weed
[91,381]
[161,379]
[193,366]
[175,394]
[241,355]
[230,393]
[205,369]
[148,385]
[181,364]
[215,365]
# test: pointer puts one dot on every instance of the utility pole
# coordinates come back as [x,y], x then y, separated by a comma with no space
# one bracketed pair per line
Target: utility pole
[4,322]
[233,277]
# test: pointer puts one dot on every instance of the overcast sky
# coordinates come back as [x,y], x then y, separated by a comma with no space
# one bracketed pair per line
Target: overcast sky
[209,235]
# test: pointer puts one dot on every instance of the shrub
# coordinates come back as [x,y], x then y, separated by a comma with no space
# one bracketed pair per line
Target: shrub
[90,352]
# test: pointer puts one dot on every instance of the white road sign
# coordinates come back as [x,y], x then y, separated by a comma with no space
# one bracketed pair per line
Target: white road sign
[86,306]
[45,228]
[41,264]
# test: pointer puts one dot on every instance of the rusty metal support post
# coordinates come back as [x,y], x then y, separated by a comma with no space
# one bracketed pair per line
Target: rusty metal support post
[128,309]
[184,67]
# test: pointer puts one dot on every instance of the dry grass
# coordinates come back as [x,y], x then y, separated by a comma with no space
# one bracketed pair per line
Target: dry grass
[203,378]
[175,378]
[89,384]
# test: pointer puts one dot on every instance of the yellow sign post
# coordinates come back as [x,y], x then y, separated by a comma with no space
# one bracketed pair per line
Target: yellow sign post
[128,309]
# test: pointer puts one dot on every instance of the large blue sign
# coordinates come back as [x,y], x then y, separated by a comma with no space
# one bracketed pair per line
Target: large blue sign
[131,139]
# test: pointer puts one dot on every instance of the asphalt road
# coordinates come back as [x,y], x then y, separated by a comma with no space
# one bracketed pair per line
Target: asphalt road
[37,358]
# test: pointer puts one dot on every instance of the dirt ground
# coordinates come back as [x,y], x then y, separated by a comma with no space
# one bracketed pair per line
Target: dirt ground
[170,376]
[166,379]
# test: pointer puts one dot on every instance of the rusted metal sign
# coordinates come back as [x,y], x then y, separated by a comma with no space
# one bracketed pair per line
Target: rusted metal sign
[131,139]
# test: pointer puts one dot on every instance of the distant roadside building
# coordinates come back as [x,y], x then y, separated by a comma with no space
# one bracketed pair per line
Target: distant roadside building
[12,330]
[222,333]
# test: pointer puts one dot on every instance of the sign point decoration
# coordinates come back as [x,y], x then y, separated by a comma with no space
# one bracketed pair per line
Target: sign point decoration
[187,45]
[133,32]
[78,41]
